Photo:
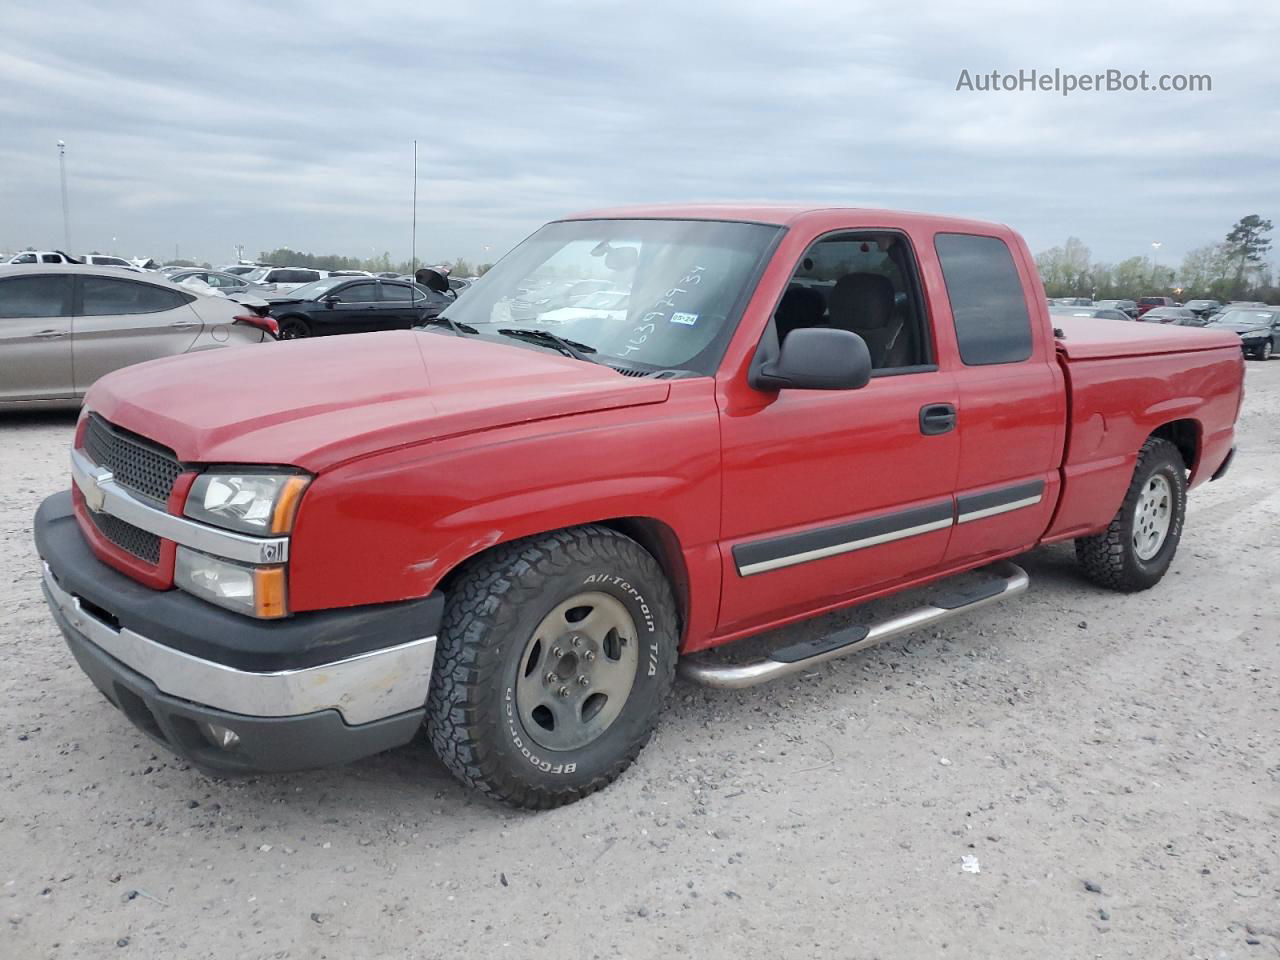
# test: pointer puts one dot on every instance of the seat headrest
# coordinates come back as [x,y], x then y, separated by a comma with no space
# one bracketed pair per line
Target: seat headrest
[861,301]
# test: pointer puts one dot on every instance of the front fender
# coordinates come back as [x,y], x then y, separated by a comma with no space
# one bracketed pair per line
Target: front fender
[391,526]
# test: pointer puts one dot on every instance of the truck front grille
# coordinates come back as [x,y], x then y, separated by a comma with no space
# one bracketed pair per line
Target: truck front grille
[132,540]
[138,464]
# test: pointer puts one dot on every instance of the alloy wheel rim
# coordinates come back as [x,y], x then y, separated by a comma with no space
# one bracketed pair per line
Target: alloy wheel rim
[577,671]
[1152,517]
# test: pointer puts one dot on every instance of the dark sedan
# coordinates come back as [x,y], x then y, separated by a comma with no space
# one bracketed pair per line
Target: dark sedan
[353,305]
[1259,329]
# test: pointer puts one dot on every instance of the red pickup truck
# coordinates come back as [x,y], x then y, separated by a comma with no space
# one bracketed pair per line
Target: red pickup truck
[509,530]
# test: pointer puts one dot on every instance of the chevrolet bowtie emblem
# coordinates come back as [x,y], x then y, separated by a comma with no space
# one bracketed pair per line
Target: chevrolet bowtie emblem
[94,495]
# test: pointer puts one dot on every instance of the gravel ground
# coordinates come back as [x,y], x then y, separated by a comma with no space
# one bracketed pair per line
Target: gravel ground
[1111,762]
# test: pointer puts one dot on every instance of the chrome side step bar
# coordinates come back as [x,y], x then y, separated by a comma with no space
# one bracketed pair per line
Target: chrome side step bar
[1008,580]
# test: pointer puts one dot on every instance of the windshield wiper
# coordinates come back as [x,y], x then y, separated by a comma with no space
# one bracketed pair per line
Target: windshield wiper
[570,348]
[456,326]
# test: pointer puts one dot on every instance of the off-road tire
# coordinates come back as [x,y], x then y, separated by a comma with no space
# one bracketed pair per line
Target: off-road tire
[1109,558]
[491,613]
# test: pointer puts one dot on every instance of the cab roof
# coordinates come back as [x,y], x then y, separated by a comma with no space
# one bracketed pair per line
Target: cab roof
[789,215]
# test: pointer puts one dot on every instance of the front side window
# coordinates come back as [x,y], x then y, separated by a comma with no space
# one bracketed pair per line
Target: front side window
[987,301]
[107,296]
[866,283]
[358,293]
[685,281]
[35,297]
[24,258]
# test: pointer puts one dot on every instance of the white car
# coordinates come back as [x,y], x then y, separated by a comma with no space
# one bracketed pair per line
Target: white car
[102,260]
[284,279]
[40,256]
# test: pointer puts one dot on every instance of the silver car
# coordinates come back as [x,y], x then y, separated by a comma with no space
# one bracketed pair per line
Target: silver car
[228,284]
[63,327]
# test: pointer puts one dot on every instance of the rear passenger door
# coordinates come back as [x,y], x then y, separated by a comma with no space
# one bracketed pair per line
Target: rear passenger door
[1012,403]
[35,337]
[119,322]
[396,309]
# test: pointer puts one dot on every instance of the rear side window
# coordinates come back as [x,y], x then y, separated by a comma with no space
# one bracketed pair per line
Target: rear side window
[398,292]
[50,258]
[106,296]
[35,297]
[987,302]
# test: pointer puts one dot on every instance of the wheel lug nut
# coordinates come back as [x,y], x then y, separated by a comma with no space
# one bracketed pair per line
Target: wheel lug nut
[583,681]
[588,656]
[563,691]
[556,651]
[576,641]
[551,677]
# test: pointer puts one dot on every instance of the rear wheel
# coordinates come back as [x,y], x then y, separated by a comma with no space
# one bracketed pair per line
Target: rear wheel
[294,328]
[556,655]
[1136,549]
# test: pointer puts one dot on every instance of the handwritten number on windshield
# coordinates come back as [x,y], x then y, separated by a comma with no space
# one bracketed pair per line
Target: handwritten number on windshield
[649,322]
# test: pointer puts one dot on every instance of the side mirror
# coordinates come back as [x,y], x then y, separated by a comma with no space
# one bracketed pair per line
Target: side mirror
[814,358]
[330,300]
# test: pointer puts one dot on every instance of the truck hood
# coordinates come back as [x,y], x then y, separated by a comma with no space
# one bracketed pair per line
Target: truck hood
[1095,338]
[315,403]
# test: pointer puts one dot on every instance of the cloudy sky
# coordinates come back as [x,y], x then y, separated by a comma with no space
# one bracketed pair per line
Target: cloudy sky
[206,125]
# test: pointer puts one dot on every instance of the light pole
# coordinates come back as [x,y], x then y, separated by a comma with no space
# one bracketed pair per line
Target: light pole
[1155,260]
[66,217]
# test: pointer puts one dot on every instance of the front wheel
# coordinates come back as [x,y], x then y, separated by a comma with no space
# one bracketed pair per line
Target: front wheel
[555,657]
[1136,549]
[294,328]
[1264,353]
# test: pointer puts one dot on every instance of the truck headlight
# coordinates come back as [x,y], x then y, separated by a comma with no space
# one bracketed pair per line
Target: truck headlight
[249,502]
[256,591]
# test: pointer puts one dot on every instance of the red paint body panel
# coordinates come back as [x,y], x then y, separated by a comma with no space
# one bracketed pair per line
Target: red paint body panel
[429,449]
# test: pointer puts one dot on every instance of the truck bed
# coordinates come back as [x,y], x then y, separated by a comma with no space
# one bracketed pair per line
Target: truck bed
[1124,381]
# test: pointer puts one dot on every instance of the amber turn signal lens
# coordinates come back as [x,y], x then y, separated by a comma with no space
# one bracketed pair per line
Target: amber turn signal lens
[268,593]
[287,504]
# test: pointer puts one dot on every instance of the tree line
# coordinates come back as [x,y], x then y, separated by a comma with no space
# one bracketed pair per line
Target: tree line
[1234,268]
[285,257]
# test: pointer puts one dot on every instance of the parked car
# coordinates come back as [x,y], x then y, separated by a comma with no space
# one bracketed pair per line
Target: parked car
[1127,307]
[1202,307]
[1259,329]
[227,284]
[40,256]
[459,284]
[1150,303]
[103,260]
[64,326]
[1071,302]
[515,537]
[240,269]
[1095,311]
[1167,314]
[1193,321]
[283,279]
[349,273]
[347,305]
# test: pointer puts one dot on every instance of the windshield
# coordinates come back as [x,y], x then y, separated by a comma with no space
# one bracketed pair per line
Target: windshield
[1260,318]
[316,288]
[673,288]
[1194,304]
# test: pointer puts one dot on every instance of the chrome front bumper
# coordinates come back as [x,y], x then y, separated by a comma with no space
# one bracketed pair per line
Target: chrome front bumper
[364,688]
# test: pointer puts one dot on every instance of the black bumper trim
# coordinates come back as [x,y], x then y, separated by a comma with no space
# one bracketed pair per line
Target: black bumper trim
[178,620]
[266,744]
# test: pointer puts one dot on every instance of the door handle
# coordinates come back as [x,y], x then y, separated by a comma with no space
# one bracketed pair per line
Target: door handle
[50,334]
[183,324]
[936,418]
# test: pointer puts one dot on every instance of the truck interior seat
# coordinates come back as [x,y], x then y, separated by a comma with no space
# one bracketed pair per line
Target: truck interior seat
[863,303]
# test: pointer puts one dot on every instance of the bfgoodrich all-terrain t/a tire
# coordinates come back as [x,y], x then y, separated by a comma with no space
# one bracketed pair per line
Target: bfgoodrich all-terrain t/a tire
[1135,550]
[556,655]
